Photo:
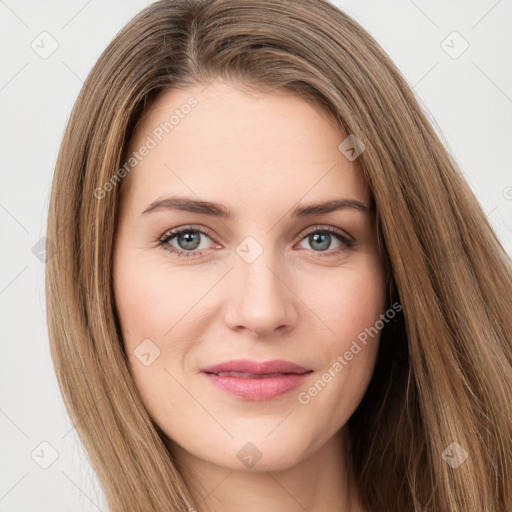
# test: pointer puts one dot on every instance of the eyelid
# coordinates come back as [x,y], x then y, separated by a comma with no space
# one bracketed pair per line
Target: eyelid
[174,231]
[329,229]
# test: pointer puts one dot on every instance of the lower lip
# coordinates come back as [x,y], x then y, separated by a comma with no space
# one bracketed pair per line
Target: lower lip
[265,388]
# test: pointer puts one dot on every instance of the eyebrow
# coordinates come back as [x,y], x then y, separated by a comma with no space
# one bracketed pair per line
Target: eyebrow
[218,210]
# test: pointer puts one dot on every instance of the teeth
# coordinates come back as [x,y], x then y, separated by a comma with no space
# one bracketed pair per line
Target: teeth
[248,375]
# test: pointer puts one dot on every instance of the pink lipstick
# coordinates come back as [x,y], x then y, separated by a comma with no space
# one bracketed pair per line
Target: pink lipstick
[253,380]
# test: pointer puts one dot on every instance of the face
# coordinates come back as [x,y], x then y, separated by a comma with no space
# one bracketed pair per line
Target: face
[219,257]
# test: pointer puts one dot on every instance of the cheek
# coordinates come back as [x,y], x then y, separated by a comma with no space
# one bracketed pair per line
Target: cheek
[151,301]
[351,302]
[351,308]
[150,307]
[161,323]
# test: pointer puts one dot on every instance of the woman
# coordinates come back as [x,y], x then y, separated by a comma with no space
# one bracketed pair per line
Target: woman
[274,289]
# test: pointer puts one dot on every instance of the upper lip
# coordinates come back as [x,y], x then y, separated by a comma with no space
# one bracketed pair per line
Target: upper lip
[255,367]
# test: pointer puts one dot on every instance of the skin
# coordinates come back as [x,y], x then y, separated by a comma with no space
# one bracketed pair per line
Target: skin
[258,155]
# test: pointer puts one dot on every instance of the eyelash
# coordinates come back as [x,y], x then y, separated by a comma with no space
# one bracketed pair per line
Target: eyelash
[163,241]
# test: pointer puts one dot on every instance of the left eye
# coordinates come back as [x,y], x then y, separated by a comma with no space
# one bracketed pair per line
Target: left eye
[320,240]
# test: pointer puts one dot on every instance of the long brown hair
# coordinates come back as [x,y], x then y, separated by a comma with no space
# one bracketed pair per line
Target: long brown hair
[444,369]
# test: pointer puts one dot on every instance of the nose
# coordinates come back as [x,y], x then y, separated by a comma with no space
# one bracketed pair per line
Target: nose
[261,297]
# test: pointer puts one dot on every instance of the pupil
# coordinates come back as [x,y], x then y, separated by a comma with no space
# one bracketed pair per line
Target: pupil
[323,238]
[190,240]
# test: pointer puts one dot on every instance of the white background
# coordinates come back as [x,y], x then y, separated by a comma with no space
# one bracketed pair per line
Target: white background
[470,98]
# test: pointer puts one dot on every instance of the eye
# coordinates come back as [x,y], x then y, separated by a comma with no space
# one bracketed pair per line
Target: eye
[320,240]
[190,241]
[185,242]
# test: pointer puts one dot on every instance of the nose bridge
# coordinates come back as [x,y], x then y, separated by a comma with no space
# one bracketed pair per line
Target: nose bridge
[263,301]
[257,274]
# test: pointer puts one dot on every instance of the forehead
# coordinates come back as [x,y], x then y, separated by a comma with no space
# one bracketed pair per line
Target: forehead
[234,143]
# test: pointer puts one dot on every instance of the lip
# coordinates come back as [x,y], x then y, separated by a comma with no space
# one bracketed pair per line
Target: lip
[257,380]
[255,367]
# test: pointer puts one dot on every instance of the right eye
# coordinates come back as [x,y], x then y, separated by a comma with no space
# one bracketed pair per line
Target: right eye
[187,241]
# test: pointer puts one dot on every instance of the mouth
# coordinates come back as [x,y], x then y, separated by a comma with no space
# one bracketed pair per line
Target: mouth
[253,375]
[251,380]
